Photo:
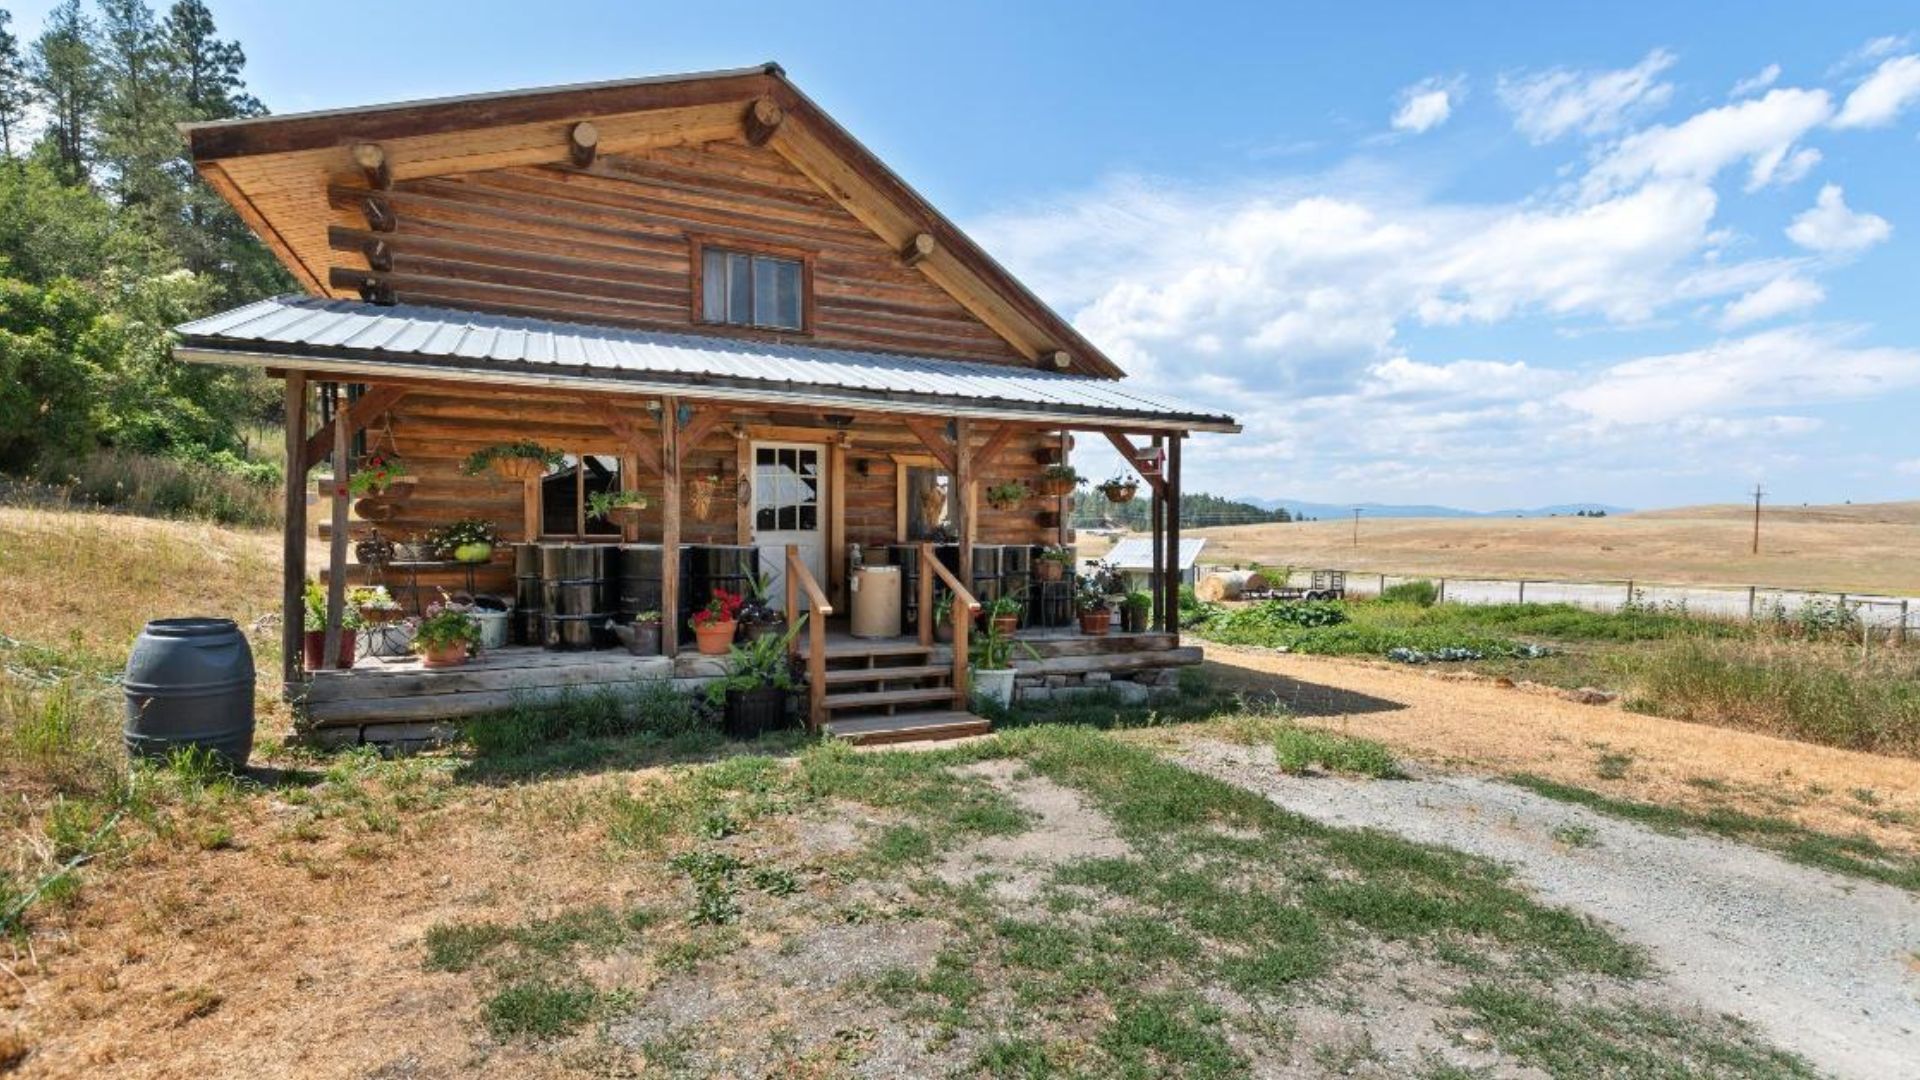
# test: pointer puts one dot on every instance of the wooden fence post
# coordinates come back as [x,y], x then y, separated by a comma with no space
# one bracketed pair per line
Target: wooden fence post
[1441,596]
[1753,599]
[1523,592]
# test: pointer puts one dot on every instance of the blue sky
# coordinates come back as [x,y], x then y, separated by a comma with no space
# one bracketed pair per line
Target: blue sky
[1488,255]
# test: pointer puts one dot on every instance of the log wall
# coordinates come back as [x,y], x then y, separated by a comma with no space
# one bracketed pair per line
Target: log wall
[611,243]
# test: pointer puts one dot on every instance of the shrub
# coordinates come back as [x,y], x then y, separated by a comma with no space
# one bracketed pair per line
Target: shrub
[220,486]
[650,707]
[1422,593]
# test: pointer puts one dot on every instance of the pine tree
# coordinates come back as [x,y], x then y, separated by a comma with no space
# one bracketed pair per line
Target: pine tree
[66,75]
[16,92]
[206,70]
[137,139]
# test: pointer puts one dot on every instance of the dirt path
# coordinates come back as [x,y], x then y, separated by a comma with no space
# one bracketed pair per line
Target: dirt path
[1828,967]
[1477,724]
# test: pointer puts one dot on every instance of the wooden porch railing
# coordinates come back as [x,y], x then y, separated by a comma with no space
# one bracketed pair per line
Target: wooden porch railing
[965,607]
[800,579]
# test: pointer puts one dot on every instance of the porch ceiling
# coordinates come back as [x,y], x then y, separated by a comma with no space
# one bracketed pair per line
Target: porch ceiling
[369,341]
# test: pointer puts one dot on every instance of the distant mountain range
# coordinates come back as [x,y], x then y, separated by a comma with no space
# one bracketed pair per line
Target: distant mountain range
[1326,511]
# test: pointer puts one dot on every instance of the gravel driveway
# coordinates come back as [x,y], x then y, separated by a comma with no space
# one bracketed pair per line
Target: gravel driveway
[1826,966]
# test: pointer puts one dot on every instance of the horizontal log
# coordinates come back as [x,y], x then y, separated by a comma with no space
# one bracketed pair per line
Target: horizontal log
[1114,662]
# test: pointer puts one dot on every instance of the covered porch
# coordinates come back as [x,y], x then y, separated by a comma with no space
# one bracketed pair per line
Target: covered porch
[794,455]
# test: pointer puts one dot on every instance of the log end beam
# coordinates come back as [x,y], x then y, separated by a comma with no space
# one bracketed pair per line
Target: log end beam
[763,118]
[917,248]
[583,143]
[372,160]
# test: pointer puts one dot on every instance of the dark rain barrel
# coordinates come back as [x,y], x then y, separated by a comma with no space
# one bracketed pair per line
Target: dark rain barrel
[189,682]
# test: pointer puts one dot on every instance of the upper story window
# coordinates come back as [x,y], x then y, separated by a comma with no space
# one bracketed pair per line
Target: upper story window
[743,288]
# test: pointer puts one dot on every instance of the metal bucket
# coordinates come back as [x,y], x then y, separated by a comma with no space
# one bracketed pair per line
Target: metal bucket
[572,632]
[189,682]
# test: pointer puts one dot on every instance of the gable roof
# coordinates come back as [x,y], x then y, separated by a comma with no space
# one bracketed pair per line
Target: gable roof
[413,341]
[275,171]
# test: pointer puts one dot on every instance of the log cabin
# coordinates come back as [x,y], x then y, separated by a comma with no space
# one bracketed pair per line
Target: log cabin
[700,289]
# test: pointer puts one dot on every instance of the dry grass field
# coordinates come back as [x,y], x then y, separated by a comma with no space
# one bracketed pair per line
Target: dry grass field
[1870,548]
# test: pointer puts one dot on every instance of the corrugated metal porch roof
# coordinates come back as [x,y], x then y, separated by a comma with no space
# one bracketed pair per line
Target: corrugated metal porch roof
[356,338]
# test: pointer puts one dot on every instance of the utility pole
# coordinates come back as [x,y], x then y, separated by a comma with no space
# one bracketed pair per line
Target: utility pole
[1356,526]
[1757,493]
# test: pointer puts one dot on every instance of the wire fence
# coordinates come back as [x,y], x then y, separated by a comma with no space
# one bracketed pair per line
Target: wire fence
[1889,618]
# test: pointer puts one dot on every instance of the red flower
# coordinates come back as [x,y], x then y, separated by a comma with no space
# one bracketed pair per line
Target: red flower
[721,609]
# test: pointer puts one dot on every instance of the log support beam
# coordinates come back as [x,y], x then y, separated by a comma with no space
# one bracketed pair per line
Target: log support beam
[379,214]
[763,118]
[1170,592]
[1147,463]
[583,143]
[964,502]
[372,160]
[379,255]
[934,440]
[669,526]
[337,550]
[917,248]
[293,540]
[357,415]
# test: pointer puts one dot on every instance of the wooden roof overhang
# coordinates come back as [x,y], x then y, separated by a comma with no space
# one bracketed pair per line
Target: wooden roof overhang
[277,172]
[347,364]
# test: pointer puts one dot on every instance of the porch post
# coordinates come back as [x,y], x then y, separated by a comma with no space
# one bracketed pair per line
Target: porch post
[337,556]
[963,485]
[670,526]
[1173,534]
[1156,583]
[1065,503]
[293,539]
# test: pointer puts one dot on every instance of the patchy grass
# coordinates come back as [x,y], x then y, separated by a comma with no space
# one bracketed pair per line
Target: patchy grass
[1855,856]
[1373,627]
[1299,750]
[1815,692]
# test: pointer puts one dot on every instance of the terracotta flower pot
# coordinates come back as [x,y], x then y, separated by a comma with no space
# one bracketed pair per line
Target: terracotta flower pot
[1049,570]
[518,468]
[381,616]
[1095,623]
[314,649]
[443,656]
[714,638]
[1054,489]
[1005,625]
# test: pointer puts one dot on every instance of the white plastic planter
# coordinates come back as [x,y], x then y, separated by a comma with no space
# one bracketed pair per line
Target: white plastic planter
[994,686]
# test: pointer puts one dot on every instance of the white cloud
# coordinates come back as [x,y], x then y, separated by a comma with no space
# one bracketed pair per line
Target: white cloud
[1778,297]
[1426,105]
[1761,131]
[1910,467]
[1793,366]
[1831,226]
[1549,104]
[1881,97]
[1756,82]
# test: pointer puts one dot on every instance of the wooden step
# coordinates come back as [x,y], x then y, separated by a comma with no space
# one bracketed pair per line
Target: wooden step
[908,727]
[843,676]
[838,650]
[874,699]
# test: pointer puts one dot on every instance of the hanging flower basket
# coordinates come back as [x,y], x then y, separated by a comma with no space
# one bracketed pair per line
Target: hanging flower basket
[513,461]
[518,468]
[1120,490]
[1054,489]
[1008,496]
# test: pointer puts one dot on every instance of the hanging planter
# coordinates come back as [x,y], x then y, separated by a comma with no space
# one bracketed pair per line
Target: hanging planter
[700,493]
[513,461]
[1120,489]
[1008,496]
[620,507]
[377,474]
[1057,481]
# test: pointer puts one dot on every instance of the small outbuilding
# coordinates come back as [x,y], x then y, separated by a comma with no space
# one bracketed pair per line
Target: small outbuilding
[1133,557]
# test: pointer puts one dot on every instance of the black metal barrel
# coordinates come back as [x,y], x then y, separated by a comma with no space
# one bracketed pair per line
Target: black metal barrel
[1016,567]
[985,581]
[637,586]
[189,682]
[575,595]
[526,594]
[706,567]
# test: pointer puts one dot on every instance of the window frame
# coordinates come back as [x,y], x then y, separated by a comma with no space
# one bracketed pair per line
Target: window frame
[699,245]
[580,533]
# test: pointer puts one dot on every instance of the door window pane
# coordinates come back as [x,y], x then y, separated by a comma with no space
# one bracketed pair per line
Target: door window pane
[560,499]
[602,473]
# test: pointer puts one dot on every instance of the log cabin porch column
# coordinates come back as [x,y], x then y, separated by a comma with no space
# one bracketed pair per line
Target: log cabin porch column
[670,526]
[293,540]
[1172,585]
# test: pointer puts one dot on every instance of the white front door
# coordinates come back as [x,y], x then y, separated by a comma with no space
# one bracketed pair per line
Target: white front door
[789,507]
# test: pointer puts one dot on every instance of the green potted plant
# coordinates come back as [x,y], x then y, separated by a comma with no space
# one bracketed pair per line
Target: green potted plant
[757,615]
[377,474]
[1008,496]
[1003,614]
[1059,480]
[991,656]
[1136,611]
[1120,489]
[375,605]
[752,693]
[620,507]
[713,625]
[1090,602]
[522,460]
[1050,563]
[469,541]
[642,635]
[313,643]
[447,633]
[943,618]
